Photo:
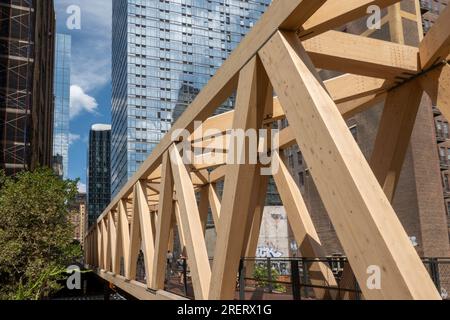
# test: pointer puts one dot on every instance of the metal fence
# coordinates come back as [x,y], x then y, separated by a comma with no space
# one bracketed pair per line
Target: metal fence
[294,279]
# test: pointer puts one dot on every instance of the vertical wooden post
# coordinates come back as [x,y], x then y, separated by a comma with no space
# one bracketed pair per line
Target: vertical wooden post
[123,239]
[163,225]
[204,207]
[141,230]
[237,189]
[214,203]
[105,251]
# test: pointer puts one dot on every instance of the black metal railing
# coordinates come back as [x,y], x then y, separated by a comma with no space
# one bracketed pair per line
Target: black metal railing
[295,278]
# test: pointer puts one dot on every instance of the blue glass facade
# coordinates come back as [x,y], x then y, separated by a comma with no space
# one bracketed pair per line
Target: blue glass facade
[164,52]
[98,172]
[62,101]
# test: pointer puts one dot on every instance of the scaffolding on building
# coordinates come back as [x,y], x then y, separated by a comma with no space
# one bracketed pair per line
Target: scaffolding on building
[16,81]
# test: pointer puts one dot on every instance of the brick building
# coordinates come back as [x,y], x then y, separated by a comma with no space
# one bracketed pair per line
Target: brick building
[78,217]
[421,202]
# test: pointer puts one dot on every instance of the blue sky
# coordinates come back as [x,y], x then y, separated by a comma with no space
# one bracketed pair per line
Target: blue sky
[90,75]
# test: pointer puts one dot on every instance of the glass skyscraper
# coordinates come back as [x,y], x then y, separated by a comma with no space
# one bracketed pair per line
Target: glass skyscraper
[164,52]
[99,173]
[62,103]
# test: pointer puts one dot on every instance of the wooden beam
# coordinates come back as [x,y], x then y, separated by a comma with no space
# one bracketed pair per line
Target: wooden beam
[217,174]
[351,108]
[348,109]
[154,187]
[436,83]
[303,228]
[394,135]
[204,207]
[396,24]
[355,54]
[181,232]
[142,233]
[123,239]
[219,123]
[351,86]
[112,239]
[237,189]
[359,210]
[137,289]
[163,225]
[100,245]
[252,242]
[192,227]
[105,249]
[214,202]
[344,88]
[336,13]
[436,45]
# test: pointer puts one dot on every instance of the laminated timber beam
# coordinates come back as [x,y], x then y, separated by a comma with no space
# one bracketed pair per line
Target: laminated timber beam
[163,226]
[191,225]
[137,289]
[238,185]
[347,87]
[436,84]
[142,231]
[122,243]
[355,54]
[435,47]
[359,210]
[112,236]
[336,13]
[394,135]
[303,227]
[203,206]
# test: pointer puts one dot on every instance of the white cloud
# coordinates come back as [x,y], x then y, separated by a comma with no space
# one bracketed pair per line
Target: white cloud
[81,187]
[73,138]
[80,101]
[91,46]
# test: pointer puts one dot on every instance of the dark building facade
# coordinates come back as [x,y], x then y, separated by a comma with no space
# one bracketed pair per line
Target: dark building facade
[27,35]
[99,172]
[420,202]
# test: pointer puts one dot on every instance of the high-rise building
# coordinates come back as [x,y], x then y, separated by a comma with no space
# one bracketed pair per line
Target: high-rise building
[420,203]
[27,35]
[164,52]
[99,173]
[62,102]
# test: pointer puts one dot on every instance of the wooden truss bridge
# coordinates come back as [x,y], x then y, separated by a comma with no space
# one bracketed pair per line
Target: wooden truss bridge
[281,55]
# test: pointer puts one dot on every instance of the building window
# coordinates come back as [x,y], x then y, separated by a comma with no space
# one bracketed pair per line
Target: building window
[299,158]
[301,178]
[291,160]
[442,154]
[445,129]
[446,183]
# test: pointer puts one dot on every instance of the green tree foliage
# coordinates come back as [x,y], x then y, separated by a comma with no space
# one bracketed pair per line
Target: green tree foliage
[36,235]
[261,275]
